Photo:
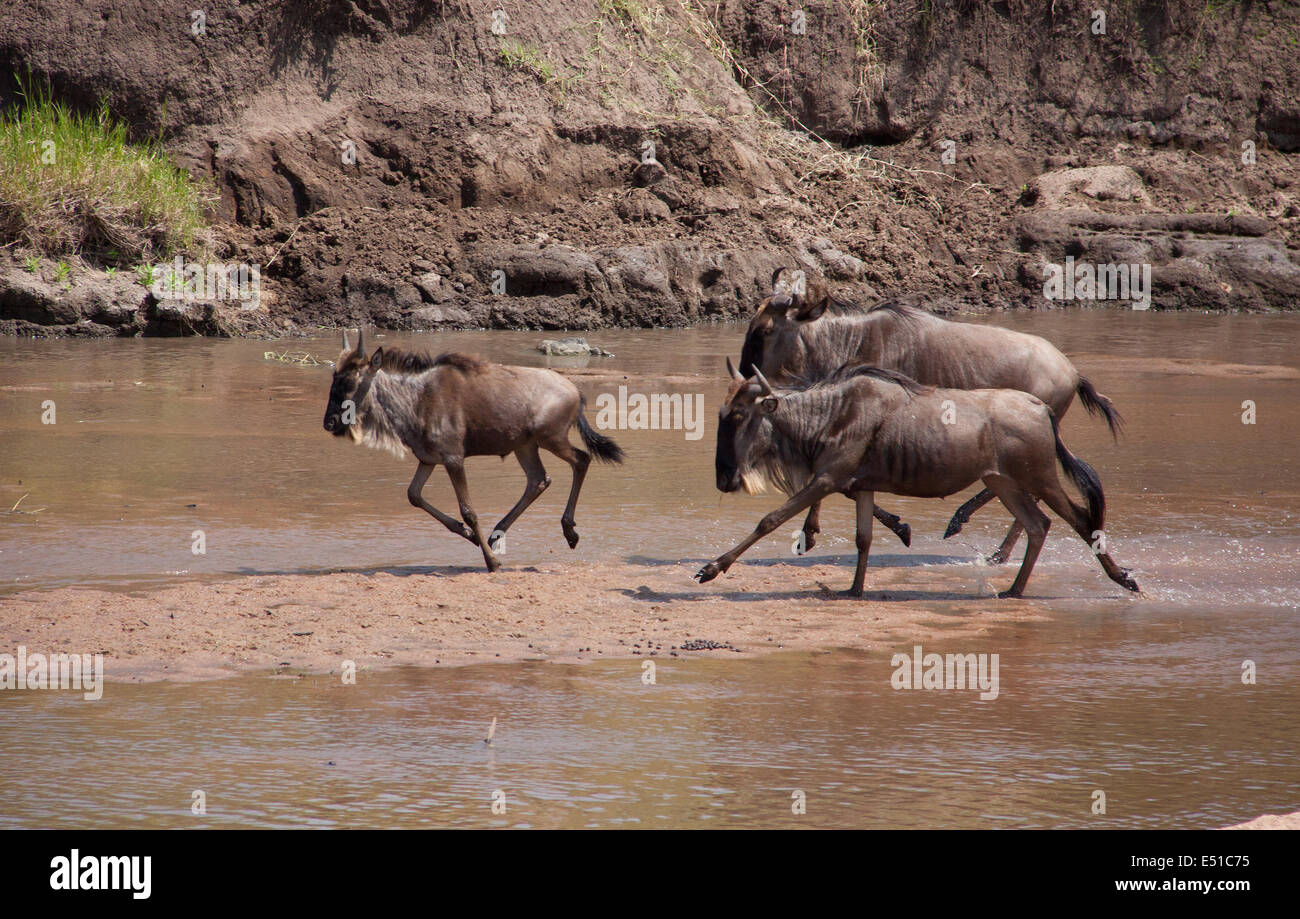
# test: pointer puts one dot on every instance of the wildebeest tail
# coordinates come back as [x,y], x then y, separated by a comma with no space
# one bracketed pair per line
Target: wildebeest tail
[1097,404]
[601,447]
[1084,478]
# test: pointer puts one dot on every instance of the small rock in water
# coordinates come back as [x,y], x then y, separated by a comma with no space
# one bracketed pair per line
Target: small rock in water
[571,347]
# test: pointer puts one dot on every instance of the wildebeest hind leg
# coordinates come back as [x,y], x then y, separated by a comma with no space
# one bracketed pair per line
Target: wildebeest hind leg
[579,460]
[1008,544]
[538,481]
[414,494]
[963,514]
[1025,509]
[1060,502]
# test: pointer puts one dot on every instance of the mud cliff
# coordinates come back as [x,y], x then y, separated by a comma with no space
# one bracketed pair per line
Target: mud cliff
[419,164]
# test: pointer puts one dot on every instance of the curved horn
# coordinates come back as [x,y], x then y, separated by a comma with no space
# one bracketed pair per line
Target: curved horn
[735,374]
[762,381]
[345,339]
[360,333]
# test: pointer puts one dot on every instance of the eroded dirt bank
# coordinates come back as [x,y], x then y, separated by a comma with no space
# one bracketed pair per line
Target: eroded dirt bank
[563,613]
[387,161]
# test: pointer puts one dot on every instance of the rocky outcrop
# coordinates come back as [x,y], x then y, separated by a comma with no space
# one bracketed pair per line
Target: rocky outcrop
[399,162]
[88,303]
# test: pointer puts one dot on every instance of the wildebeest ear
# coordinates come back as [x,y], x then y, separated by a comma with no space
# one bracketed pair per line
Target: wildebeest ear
[783,294]
[377,359]
[814,303]
[769,404]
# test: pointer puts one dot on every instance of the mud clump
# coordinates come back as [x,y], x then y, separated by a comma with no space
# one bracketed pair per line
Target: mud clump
[705,644]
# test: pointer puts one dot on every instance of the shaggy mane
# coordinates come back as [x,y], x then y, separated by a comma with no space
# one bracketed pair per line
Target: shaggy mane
[398,361]
[851,371]
[901,310]
[880,373]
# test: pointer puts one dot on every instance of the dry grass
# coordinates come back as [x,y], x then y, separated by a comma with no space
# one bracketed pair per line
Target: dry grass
[301,358]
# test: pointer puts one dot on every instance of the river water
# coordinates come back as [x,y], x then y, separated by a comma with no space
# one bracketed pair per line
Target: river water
[1140,699]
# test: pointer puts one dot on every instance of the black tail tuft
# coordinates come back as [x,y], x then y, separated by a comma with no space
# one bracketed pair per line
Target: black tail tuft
[1095,403]
[601,447]
[1084,478]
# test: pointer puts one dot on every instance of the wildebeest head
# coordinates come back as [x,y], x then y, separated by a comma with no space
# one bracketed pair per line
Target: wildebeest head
[772,343]
[743,412]
[353,373]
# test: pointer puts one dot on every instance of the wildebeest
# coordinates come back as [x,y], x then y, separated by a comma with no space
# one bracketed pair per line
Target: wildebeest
[865,429]
[801,332]
[454,406]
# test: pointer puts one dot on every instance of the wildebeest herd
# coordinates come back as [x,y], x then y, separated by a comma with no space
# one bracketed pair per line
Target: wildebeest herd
[829,398]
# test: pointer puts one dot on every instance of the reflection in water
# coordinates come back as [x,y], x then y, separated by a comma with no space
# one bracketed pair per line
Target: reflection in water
[1150,711]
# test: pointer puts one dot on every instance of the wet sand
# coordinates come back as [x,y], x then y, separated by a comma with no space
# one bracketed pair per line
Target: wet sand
[566,612]
[1270,822]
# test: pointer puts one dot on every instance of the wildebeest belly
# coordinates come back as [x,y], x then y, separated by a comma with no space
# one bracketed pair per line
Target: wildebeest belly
[923,456]
[496,441]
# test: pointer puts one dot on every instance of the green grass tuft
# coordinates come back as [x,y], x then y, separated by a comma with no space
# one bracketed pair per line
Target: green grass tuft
[72,185]
[516,55]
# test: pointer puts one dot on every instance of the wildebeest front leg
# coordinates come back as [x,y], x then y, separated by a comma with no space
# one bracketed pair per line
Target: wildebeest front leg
[812,526]
[1008,544]
[814,491]
[456,472]
[962,517]
[866,510]
[894,524]
[414,494]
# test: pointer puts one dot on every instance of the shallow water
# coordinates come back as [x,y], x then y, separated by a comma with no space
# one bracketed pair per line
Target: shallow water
[1147,710]
[1205,507]
[1139,698]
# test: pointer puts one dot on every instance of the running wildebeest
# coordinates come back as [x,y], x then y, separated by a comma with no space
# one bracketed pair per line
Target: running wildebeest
[865,429]
[801,332]
[447,408]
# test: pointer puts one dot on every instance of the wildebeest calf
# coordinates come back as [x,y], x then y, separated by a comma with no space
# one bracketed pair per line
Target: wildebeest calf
[447,408]
[865,430]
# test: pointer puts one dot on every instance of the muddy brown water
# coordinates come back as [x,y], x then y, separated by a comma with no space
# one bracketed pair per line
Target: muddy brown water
[1140,698]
